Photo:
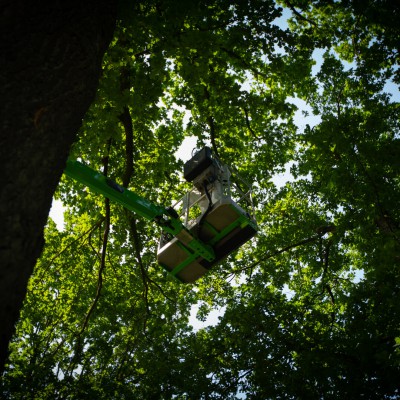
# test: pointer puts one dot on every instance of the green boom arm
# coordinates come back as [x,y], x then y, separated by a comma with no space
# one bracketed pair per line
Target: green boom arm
[167,219]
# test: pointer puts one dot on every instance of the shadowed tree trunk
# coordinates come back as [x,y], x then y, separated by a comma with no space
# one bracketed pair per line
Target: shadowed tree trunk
[51,54]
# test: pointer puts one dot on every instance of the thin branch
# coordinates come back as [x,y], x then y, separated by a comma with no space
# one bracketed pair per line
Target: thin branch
[95,251]
[137,247]
[101,268]
[326,286]
[297,13]
[78,345]
[211,125]
[103,251]
[329,290]
[160,289]
[126,120]
[246,114]
[277,252]
[89,231]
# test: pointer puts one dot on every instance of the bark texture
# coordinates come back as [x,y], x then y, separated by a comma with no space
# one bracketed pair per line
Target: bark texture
[50,55]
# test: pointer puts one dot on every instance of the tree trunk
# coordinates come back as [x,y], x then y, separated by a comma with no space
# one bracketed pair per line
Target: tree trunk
[51,54]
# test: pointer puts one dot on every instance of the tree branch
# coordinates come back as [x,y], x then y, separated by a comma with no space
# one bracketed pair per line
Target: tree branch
[89,231]
[126,120]
[246,114]
[103,251]
[297,13]
[78,345]
[136,243]
[101,268]
[277,252]
[211,125]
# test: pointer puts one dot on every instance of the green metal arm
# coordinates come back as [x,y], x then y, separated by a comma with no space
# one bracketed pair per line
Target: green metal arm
[165,218]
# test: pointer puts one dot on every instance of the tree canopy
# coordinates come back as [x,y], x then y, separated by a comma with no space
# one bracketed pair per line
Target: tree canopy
[310,305]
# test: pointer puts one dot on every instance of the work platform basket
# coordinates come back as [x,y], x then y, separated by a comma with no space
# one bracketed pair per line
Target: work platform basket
[218,211]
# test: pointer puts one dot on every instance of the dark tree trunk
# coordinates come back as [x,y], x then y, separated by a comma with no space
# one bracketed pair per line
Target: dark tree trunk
[50,55]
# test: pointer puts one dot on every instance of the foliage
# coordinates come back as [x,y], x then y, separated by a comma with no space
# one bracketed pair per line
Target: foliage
[311,305]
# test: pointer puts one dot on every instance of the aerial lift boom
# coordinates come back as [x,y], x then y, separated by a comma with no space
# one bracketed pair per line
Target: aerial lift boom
[189,246]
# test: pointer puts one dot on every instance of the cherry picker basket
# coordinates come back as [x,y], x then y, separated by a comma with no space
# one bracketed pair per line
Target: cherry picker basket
[218,211]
